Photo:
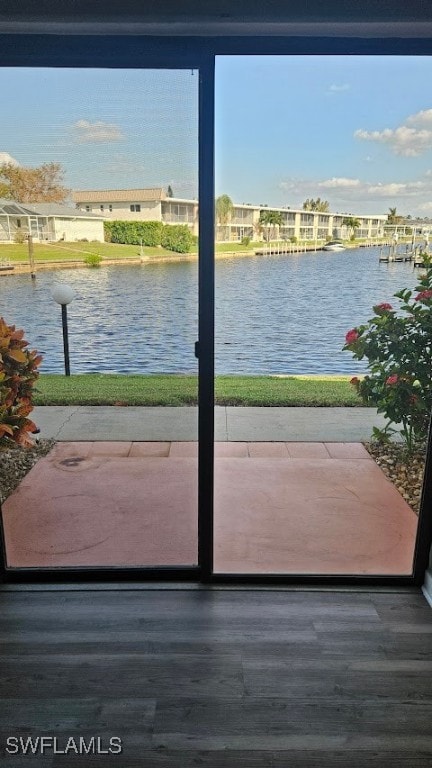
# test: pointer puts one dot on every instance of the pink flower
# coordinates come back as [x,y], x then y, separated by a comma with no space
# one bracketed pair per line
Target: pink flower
[393,379]
[384,307]
[423,295]
[351,336]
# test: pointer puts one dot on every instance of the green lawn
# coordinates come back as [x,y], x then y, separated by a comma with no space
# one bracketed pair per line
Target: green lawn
[18,253]
[112,389]
[76,251]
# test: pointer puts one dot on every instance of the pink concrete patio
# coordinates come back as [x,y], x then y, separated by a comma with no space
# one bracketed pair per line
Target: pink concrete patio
[279,508]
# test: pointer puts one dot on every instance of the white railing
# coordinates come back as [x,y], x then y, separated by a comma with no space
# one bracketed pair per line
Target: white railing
[177,218]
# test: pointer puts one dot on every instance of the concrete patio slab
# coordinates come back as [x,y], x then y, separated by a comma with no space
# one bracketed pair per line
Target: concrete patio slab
[302,424]
[120,423]
[134,423]
[307,451]
[104,504]
[347,451]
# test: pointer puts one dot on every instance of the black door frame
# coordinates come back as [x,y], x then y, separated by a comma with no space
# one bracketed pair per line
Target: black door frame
[199,54]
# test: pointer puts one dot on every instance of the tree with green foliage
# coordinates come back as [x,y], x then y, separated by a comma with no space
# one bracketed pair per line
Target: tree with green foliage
[224,207]
[392,217]
[169,191]
[268,221]
[352,223]
[33,185]
[316,205]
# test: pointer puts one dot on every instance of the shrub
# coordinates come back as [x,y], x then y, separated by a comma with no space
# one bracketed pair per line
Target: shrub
[18,372]
[177,237]
[134,232]
[245,240]
[293,239]
[397,344]
[93,260]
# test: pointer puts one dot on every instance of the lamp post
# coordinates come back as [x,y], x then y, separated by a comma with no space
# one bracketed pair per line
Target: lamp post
[63,294]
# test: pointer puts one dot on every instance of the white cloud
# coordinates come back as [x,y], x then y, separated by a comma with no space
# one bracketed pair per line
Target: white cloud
[424,117]
[344,193]
[363,190]
[339,183]
[411,139]
[395,189]
[6,158]
[335,88]
[97,132]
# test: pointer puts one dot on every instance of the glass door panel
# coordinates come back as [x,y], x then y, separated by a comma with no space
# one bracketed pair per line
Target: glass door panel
[100,169]
[327,157]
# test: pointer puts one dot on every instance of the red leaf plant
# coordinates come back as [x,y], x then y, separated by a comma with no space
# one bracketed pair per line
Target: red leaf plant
[18,373]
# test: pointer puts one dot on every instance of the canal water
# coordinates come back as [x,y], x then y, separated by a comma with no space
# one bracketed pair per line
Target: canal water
[278,314]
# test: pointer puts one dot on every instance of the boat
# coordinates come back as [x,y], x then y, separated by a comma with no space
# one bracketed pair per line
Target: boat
[334,245]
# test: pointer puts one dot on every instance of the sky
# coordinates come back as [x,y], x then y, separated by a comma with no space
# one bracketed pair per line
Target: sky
[356,131]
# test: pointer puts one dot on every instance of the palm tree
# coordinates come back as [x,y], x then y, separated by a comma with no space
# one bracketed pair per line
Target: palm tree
[352,223]
[392,217]
[223,210]
[224,206]
[316,205]
[321,205]
[270,220]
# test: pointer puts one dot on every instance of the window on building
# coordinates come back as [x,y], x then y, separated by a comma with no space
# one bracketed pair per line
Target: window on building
[18,223]
[88,208]
[101,207]
[135,207]
[110,207]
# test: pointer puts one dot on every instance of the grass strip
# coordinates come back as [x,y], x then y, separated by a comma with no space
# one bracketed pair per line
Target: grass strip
[177,390]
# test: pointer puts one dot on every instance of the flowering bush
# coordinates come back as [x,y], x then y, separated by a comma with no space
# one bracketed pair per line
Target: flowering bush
[397,343]
[18,372]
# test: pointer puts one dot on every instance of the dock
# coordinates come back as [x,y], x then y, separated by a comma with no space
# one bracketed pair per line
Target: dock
[281,249]
[6,266]
[403,253]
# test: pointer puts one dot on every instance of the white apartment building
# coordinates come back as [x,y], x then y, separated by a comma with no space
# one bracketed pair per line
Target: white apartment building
[154,205]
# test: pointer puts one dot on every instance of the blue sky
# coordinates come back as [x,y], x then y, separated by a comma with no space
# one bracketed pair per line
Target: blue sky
[356,131]
[108,128]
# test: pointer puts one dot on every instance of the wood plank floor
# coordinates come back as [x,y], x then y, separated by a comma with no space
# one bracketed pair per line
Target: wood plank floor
[220,678]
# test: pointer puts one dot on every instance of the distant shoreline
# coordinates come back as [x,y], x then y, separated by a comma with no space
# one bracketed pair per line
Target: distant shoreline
[22,268]
[17,268]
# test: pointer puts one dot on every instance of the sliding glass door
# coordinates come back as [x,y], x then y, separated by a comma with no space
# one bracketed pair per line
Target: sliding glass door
[322,205]
[100,188]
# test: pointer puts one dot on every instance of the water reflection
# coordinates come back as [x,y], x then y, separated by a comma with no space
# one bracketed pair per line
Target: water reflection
[283,314]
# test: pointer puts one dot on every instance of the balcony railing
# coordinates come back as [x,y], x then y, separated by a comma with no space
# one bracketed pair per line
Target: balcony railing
[178,218]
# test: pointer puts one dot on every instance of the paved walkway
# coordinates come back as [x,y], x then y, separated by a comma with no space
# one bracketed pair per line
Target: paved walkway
[295,492]
[231,423]
[279,508]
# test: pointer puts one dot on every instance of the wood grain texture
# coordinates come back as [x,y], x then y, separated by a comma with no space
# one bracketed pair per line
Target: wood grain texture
[220,678]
